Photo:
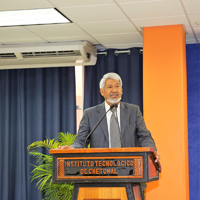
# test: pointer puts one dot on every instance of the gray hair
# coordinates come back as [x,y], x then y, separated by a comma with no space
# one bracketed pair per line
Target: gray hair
[109,76]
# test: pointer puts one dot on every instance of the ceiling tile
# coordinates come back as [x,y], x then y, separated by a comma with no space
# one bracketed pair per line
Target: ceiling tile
[128,1]
[190,36]
[111,27]
[194,19]
[189,33]
[191,41]
[73,38]
[160,21]
[56,30]
[22,41]
[69,3]
[152,9]
[119,38]
[17,34]
[24,4]
[192,6]
[197,32]
[123,46]
[93,13]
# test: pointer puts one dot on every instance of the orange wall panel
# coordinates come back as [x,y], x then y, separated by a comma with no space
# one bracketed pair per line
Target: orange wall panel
[165,108]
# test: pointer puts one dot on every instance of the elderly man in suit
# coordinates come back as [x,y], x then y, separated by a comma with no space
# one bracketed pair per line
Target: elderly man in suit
[133,131]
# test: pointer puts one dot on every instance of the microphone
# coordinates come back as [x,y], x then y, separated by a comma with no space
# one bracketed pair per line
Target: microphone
[120,135]
[111,107]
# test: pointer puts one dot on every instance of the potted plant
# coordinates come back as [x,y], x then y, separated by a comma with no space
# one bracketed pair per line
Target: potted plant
[42,171]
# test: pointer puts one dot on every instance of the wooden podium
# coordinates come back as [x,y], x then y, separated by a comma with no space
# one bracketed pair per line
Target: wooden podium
[105,173]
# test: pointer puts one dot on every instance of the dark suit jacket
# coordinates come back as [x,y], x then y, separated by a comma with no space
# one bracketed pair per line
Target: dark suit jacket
[133,128]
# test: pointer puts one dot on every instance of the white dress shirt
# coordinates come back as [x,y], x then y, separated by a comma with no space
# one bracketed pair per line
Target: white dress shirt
[108,116]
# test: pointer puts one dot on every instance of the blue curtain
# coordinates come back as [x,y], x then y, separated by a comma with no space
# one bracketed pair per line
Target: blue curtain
[129,67]
[193,83]
[35,104]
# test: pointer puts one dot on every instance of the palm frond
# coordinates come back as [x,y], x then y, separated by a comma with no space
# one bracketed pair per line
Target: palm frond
[41,158]
[66,138]
[42,172]
[59,191]
[48,144]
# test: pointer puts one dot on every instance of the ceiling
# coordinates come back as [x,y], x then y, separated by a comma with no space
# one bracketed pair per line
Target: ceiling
[104,23]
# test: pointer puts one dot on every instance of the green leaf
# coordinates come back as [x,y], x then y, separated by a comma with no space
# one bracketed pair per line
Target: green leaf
[66,138]
[42,172]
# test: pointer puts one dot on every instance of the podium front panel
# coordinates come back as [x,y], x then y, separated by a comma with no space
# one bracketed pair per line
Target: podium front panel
[102,167]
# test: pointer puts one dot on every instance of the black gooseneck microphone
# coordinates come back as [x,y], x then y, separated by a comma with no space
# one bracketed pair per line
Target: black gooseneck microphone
[120,135]
[111,107]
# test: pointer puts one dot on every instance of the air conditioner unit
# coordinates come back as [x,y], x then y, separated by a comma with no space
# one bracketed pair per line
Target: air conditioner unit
[47,55]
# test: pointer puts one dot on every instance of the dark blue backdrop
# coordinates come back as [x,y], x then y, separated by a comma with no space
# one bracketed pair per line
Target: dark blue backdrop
[34,104]
[193,83]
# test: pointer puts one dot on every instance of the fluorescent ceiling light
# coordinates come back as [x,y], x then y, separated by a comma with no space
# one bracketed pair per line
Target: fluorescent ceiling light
[31,17]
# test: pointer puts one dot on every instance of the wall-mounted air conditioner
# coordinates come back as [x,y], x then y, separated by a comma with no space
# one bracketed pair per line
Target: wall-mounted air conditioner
[47,55]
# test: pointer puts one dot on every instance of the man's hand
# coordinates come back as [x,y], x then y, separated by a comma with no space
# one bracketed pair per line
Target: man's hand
[157,156]
[64,147]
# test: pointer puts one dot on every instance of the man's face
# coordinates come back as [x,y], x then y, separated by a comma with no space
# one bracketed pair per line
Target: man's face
[112,91]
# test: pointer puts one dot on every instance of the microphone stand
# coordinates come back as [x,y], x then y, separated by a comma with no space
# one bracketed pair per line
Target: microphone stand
[111,107]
